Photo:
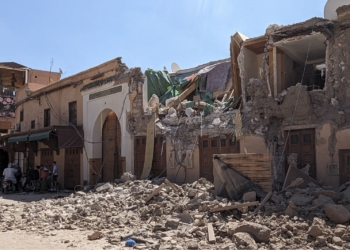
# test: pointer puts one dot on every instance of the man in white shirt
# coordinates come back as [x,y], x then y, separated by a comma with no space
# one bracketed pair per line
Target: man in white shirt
[54,175]
[9,174]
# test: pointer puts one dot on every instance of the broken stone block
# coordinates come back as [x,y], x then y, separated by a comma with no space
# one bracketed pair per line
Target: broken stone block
[321,200]
[329,193]
[172,223]
[244,240]
[104,187]
[96,206]
[259,232]
[301,199]
[291,210]
[337,241]
[337,213]
[95,236]
[185,218]
[249,196]
[192,245]
[339,230]
[80,193]
[127,177]
[317,228]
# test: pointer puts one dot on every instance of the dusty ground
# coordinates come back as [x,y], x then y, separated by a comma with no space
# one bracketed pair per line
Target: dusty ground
[57,239]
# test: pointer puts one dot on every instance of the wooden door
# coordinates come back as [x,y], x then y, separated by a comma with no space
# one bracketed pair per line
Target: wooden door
[344,166]
[112,167]
[159,156]
[95,171]
[210,146]
[72,167]
[302,142]
[47,158]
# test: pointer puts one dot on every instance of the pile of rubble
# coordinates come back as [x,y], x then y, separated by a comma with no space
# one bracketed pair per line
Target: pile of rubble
[191,216]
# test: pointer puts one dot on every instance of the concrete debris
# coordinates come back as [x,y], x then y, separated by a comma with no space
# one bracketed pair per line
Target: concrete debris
[127,177]
[190,216]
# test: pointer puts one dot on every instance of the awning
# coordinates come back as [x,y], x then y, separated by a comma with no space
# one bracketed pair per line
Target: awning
[20,138]
[70,138]
[39,136]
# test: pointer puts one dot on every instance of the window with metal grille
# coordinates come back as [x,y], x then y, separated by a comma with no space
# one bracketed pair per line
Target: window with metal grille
[73,113]
[46,117]
[32,124]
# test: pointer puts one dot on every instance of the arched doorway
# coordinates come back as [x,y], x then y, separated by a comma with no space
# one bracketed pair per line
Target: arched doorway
[111,148]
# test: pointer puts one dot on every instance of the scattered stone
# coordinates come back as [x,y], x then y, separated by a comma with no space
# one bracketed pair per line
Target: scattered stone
[95,236]
[250,196]
[317,228]
[301,199]
[245,241]
[337,213]
[321,200]
[260,232]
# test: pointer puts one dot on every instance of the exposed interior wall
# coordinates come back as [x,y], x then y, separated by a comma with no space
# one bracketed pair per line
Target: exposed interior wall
[250,65]
[289,71]
[253,144]
[323,136]
[192,174]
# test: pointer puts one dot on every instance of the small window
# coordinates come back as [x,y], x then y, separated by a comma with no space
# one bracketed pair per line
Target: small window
[138,141]
[348,160]
[307,138]
[205,144]
[214,143]
[232,143]
[143,141]
[32,124]
[223,143]
[46,117]
[294,139]
[21,115]
[73,113]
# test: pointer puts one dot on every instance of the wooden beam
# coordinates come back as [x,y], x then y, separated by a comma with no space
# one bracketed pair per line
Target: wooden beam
[211,234]
[275,72]
[147,166]
[236,79]
[236,206]
[154,192]
[190,88]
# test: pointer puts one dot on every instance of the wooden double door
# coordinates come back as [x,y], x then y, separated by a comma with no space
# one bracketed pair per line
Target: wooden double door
[159,156]
[302,142]
[111,149]
[210,146]
[72,167]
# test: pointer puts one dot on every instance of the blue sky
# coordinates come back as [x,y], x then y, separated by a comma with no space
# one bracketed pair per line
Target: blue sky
[80,34]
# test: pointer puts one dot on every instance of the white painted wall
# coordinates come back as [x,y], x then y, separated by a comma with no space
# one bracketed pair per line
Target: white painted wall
[95,113]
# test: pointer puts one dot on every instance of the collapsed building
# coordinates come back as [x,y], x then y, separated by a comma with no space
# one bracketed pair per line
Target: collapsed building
[285,92]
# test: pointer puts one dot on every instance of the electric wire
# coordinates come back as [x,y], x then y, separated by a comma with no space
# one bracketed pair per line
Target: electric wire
[72,125]
[297,100]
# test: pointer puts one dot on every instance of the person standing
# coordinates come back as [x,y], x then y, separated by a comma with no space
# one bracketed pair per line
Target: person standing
[54,175]
[9,174]
[18,175]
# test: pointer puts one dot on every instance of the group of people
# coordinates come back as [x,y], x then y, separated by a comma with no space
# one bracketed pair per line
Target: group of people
[44,176]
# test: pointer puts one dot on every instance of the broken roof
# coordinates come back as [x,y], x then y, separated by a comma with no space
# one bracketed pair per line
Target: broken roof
[315,24]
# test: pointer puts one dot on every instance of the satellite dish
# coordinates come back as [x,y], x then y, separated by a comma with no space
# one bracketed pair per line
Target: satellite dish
[175,67]
[331,7]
